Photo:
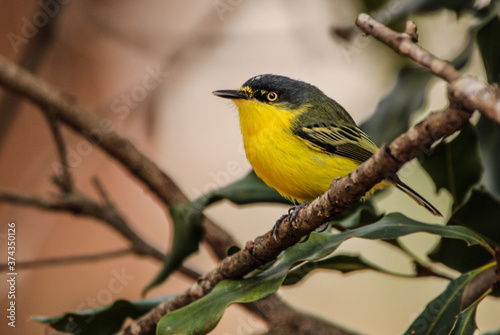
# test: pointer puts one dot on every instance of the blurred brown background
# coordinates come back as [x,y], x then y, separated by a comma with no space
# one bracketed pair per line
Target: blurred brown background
[150,67]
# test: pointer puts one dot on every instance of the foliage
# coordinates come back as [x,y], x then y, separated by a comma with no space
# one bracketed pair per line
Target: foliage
[103,320]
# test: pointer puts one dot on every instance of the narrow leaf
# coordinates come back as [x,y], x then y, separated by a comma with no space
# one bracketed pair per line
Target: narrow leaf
[342,263]
[392,115]
[440,314]
[251,189]
[188,218]
[103,320]
[456,166]
[466,321]
[489,142]
[360,214]
[480,214]
[188,232]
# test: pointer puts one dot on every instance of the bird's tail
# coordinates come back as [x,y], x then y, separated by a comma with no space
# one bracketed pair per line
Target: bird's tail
[415,196]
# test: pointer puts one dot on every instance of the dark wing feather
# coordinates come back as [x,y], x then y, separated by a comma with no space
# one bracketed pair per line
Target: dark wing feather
[348,141]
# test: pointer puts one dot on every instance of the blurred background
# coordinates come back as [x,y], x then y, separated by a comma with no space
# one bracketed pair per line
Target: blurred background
[150,68]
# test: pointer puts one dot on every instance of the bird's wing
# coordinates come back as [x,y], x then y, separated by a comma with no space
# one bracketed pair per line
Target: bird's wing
[348,141]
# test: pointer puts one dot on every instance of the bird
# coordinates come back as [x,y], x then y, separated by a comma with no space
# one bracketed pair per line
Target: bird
[298,140]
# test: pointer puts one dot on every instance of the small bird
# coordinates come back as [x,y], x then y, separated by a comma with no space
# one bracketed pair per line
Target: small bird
[298,140]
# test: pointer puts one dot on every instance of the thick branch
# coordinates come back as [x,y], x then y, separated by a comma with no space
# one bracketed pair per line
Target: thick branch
[468,91]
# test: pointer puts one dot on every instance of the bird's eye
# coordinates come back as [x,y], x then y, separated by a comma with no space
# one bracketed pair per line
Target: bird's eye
[272,96]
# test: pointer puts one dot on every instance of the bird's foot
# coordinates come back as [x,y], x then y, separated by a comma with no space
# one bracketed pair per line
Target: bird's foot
[293,211]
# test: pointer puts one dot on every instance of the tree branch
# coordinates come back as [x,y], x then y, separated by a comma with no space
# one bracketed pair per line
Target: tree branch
[63,178]
[79,204]
[468,91]
[38,263]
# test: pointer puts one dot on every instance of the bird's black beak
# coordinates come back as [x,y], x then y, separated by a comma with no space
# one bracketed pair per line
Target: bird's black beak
[230,94]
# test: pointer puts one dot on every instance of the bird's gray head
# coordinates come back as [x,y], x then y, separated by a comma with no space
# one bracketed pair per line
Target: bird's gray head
[275,89]
[291,92]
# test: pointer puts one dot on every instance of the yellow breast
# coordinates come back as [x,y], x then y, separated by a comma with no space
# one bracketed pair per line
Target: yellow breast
[283,160]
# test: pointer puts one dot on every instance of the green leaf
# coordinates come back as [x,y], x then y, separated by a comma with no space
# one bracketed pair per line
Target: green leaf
[489,45]
[201,316]
[251,189]
[209,309]
[466,321]
[486,33]
[440,314]
[248,190]
[489,142]
[392,115]
[342,263]
[188,218]
[103,320]
[188,232]
[456,165]
[480,214]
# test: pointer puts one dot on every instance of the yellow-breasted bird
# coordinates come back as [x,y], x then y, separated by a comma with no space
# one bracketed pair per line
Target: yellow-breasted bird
[298,140]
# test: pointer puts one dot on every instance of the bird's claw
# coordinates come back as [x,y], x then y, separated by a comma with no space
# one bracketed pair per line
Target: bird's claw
[276,226]
[293,212]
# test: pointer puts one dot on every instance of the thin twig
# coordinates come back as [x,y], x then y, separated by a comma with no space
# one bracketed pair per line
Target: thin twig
[32,56]
[102,191]
[468,91]
[80,204]
[70,260]
[64,179]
